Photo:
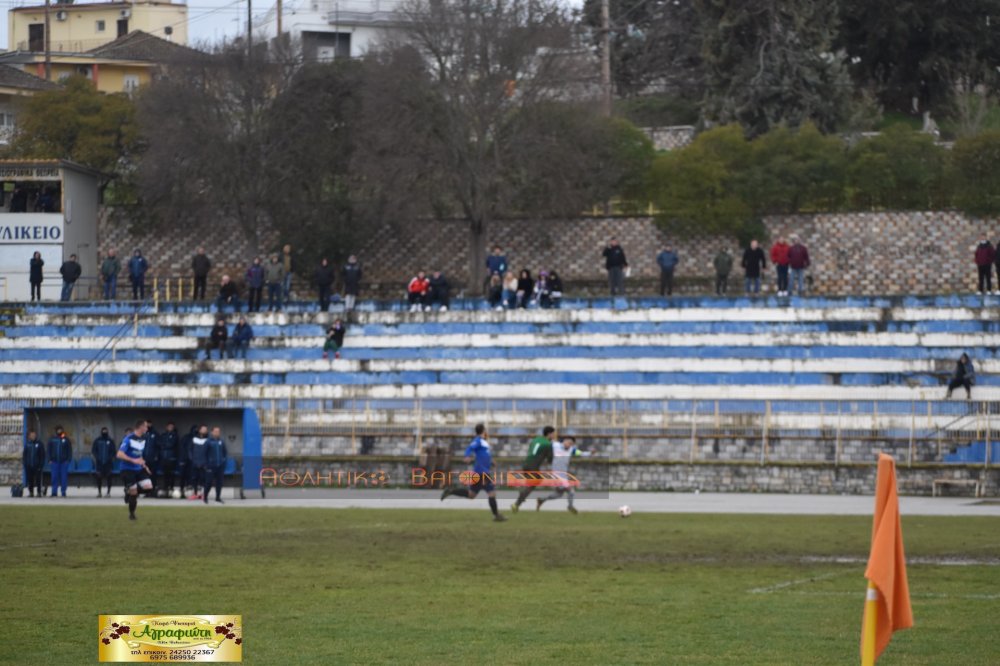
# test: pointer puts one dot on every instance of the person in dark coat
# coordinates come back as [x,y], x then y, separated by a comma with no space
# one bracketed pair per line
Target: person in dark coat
[184,460]
[351,273]
[440,291]
[152,454]
[615,263]
[667,260]
[494,292]
[556,289]
[324,283]
[35,275]
[985,256]
[60,454]
[137,267]
[215,459]
[103,451]
[965,375]
[240,340]
[798,262]
[70,271]
[723,264]
[199,460]
[255,285]
[200,266]
[525,288]
[33,459]
[217,339]
[168,444]
[229,294]
[334,339]
[754,261]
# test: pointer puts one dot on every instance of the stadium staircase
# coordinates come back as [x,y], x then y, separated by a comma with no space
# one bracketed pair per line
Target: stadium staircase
[794,368]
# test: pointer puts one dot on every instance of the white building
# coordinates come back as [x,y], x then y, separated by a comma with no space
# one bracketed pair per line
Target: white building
[328,29]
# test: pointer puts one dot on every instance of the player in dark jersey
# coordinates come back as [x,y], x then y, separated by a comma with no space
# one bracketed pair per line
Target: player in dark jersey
[135,473]
[478,453]
[539,453]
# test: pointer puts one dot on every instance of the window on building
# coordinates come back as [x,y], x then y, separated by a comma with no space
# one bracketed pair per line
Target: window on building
[122,27]
[99,26]
[131,82]
[36,37]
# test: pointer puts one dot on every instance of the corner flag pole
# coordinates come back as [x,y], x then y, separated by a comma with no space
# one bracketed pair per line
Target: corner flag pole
[870,626]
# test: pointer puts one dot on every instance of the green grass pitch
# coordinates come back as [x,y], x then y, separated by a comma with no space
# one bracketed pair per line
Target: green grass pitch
[323,586]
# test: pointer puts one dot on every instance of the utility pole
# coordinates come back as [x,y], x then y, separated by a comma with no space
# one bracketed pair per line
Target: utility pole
[606,57]
[48,45]
[249,28]
[278,10]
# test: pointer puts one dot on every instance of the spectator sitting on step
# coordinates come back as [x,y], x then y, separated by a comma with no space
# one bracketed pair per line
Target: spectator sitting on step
[417,291]
[334,339]
[555,289]
[229,294]
[239,341]
[509,290]
[525,288]
[439,291]
[217,339]
[494,292]
[542,294]
[965,375]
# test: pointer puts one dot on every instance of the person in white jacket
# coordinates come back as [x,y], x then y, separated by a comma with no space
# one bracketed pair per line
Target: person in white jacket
[562,454]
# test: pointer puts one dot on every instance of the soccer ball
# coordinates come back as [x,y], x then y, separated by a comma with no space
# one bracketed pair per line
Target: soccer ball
[176,494]
[625,511]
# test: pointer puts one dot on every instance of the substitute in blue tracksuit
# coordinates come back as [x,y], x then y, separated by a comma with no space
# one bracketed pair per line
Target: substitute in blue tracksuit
[199,460]
[103,450]
[169,444]
[33,459]
[152,454]
[60,454]
[215,457]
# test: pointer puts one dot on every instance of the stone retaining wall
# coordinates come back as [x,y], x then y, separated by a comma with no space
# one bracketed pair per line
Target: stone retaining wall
[852,253]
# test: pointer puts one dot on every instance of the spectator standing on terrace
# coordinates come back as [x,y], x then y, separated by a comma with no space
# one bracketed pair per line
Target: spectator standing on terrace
[215,457]
[440,291]
[110,268]
[255,285]
[667,260]
[525,287]
[494,292]
[241,338]
[60,454]
[35,267]
[334,339]
[985,256]
[324,283]
[19,200]
[723,264]
[200,266]
[137,267]
[288,263]
[496,263]
[615,263]
[965,375]
[33,459]
[779,257]
[70,271]
[556,287]
[275,276]
[798,261]
[351,275]
[229,294]
[169,445]
[217,339]
[996,261]
[417,290]
[103,451]
[753,263]
[509,290]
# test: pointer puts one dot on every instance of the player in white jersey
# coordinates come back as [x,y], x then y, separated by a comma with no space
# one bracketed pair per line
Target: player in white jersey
[562,454]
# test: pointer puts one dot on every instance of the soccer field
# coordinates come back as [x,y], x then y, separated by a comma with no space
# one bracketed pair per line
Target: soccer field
[324,586]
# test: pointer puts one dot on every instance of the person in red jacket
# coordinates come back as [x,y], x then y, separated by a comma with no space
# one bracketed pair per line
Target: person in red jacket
[798,261]
[417,292]
[985,255]
[779,257]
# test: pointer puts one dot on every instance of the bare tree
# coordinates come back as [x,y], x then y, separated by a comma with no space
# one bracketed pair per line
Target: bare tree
[480,108]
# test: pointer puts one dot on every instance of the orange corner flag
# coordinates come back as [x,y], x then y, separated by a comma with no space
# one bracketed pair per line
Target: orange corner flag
[888,603]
